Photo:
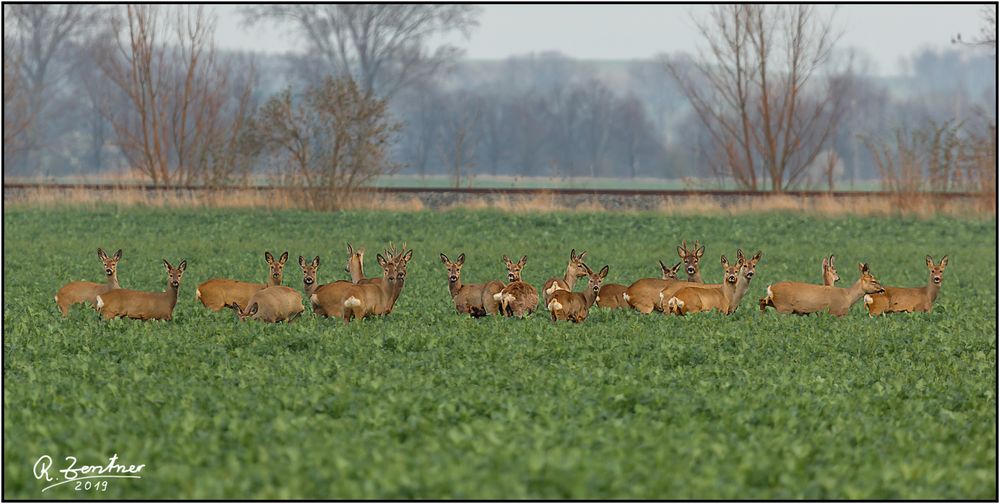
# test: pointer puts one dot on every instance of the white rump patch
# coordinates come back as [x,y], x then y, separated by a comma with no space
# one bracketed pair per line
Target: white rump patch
[554,305]
[57,299]
[498,296]
[770,295]
[868,299]
[100,303]
[554,288]
[352,301]
[625,296]
[197,293]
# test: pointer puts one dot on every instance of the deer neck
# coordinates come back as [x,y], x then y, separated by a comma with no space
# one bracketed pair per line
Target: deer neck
[309,288]
[454,287]
[569,278]
[696,277]
[271,281]
[932,290]
[357,269]
[172,296]
[113,281]
[589,297]
[854,293]
[742,286]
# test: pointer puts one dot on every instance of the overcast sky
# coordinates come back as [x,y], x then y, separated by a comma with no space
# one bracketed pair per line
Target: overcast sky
[887,33]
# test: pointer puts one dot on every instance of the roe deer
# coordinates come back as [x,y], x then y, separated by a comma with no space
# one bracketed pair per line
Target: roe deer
[272,305]
[705,298]
[613,295]
[575,306]
[346,300]
[741,288]
[691,259]
[87,292]
[518,298]
[310,272]
[218,293]
[802,298]
[469,298]
[140,304]
[644,294]
[574,269]
[900,299]
[830,276]
[400,259]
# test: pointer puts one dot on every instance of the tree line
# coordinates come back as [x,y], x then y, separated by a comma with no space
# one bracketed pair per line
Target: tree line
[770,103]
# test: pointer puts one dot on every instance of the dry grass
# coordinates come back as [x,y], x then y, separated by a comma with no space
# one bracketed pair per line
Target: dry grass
[897,205]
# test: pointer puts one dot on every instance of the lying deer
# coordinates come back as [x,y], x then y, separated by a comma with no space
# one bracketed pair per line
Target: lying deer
[613,295]
[272,305]
[348,301]
[674,287]
[900,299]
[574,269]
[218,293]
[830,276]
[87,292]
[575,306]
[721,297]
[518,298]
[140,304]
[802,298]
[644,294]
[471,299]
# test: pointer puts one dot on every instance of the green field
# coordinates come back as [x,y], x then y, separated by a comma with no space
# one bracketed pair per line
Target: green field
[428,404]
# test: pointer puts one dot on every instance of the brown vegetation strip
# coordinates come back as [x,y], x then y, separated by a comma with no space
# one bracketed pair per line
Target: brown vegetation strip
[505,191]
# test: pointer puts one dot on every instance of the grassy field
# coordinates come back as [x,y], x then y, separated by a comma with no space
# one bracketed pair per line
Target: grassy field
[428,404]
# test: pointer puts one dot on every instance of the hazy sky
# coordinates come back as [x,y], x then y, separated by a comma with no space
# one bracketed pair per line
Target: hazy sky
[887,33]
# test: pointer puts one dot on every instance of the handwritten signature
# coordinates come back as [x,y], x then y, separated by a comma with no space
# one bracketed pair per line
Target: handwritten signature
[73,472]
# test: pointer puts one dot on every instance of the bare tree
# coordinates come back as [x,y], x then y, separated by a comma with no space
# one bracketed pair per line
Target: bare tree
[332,141]
[384,47]
[987,33]
[39,33]
[756,90]
[186,109]
[460,133]
[16,112]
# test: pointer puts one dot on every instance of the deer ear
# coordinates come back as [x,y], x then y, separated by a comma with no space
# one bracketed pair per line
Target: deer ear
[183,265]
[930,261]
[444,259]
[118,255]
[739,256]
[101,255]
[681,252]
[582,255]
[268,257]
[253,309]
[604,271]
[381,260]
[826,264]
[236,308]
[662,267]
[167,265]
[302,261]
[523,261]
[284,257]
[677,267]
[944,261]
[831,259]
[316,261]
[407,256]
[700,252]
[506,260]
[461,259]
[725,262]
[572,254]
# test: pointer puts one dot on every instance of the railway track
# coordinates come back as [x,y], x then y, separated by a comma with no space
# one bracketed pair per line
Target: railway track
[679,193]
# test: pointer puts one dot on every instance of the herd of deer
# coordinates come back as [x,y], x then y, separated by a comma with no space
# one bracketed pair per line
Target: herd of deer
[362,297]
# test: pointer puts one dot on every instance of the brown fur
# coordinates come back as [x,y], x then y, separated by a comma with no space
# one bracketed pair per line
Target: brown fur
[575,268]
[272,305]
[473,299]
[140,304]
[802,298]
[830,276]
[914,299]
[644,294]
[219,293]
[575,306]
[705,298]
[87,292]
[518,298]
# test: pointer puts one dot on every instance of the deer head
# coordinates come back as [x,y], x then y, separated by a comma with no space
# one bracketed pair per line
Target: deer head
[276,267]
[830,276]
[174,274]
[868,282]
[309,270]
[110,263]
[691,257]
[454,268]
[937,271]
[514,268]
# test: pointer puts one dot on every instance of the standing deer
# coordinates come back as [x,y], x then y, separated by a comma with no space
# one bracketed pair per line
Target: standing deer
[830,276]
[140,304]
[348,301]
[518,298]
[613,295]
[87,292]
[644,294]
[272,305]
[574,269]
[900,299]
[575,306]
[310,272]
[802,298]
[469,298]
[722,297]
[218,293]
[401,259]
